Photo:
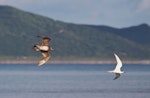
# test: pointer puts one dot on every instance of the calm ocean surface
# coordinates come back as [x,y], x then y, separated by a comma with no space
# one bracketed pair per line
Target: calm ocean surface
[73,81]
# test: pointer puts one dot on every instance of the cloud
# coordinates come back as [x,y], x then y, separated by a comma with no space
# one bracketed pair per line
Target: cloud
[7,2]
[144,5]
[116,13]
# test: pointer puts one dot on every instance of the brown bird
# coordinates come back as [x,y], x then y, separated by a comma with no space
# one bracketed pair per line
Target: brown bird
[44,48]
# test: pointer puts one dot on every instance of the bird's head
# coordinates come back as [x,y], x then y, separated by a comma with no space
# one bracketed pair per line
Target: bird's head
[35,48]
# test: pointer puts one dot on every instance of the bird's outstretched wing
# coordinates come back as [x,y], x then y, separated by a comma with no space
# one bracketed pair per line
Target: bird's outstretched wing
[119,63]
[45,40]
[117,76]
[46,57]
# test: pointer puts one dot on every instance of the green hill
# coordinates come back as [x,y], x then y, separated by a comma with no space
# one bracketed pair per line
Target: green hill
[18,31]
[139,34]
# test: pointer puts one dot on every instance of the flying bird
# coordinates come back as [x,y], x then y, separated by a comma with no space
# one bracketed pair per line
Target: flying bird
[117,70]
[44,48]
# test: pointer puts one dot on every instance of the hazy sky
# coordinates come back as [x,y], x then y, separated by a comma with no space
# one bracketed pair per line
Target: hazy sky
[116,13]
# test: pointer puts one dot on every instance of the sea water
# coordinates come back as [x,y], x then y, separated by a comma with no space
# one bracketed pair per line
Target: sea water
[73,81]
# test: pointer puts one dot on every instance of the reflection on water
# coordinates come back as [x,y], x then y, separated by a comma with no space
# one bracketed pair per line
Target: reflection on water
[73,81]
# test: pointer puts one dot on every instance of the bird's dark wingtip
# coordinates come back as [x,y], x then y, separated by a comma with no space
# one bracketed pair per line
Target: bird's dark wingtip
[44,37]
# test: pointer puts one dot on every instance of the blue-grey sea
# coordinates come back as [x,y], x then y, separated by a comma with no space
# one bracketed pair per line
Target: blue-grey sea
[73,81]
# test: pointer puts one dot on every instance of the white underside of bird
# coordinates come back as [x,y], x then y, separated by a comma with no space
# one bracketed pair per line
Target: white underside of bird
[117,69]
[43,48]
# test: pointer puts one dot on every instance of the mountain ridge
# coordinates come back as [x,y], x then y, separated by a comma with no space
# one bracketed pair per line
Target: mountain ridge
[77,41]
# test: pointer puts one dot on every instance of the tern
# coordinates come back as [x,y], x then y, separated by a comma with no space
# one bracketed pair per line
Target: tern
[44,48]
[117,71]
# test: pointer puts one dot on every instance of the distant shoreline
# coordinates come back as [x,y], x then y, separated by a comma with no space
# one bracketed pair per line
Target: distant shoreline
[35,61]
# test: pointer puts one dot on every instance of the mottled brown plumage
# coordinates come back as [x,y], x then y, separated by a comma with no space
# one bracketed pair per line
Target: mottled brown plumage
[46,57]
[45,40]
[44,48]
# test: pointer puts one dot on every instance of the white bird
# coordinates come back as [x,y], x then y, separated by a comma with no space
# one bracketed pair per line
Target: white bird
[117,70]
